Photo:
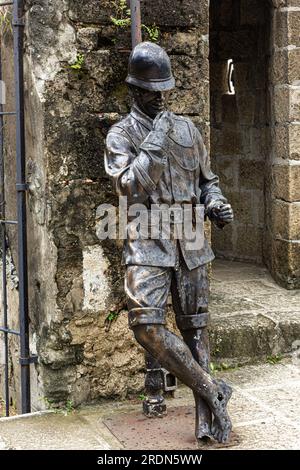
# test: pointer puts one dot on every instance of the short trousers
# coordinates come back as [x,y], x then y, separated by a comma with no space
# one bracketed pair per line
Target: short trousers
[147,289]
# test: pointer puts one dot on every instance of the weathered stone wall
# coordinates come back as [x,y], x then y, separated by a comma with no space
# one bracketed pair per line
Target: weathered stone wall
[76,281]
[282,247]
[239,30]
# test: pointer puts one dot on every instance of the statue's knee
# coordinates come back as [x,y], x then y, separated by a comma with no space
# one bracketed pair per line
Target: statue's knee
[193,322]
[146,324]
[147,334]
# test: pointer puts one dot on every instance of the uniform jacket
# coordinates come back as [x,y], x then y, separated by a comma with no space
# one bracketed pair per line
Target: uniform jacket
[151,167]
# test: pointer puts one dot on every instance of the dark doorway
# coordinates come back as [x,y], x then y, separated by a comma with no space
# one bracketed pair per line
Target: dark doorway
[239,63]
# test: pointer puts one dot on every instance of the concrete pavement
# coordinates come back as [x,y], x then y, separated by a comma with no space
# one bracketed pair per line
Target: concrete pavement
[265,410]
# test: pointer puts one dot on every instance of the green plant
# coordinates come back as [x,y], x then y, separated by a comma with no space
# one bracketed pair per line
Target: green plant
[79,62]
[123,20]
[50,404]
[152,31]
[65,409]
[142,397]
[69,407]
[214,367]
[112,316]
[274,359]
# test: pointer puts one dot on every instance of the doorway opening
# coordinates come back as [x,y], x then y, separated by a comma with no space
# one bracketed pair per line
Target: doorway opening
[239,63]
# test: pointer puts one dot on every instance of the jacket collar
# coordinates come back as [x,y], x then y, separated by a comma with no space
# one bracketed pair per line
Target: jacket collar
[141,117]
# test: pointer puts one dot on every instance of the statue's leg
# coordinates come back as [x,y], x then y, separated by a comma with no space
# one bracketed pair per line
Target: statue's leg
[154,403]
[146,287]
[190,301]
[148,324]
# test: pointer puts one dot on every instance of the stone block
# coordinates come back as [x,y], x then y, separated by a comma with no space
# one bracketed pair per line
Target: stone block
[294,66]
[88,38]
[279,67]
[249,243]
[287,103]
[286,182]
[286,220]
[286,139]
[218,77]
[182,43]
[246,108]
[76,148]
[230,109]
[215,109]
[204,129]
[242,205]
[281,103]
[191,95]
[286,263]
[280,28]
[223,241]
[252,12]
[280,135]
[293,21]
[92,11]
[231,141]
[226,12]
[237,44]
[227,168]
[286,67]
[286,28]
[172,13]
[251,174]
[259,140]
[294,141]
[216,141]
[242,76]
[295,103]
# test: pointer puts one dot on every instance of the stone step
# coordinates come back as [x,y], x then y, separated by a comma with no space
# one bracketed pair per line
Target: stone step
[252,318]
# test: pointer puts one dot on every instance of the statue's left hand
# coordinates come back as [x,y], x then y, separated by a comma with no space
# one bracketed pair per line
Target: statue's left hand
[223,214]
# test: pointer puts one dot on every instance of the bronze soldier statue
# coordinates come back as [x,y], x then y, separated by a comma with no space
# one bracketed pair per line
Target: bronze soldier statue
[157,158]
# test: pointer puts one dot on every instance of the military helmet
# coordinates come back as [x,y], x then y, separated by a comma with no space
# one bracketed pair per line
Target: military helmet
[150,68]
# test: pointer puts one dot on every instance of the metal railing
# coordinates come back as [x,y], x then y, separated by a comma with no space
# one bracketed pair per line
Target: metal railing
[21,187]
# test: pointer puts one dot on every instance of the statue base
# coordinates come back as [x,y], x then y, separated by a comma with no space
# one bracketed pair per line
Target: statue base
[154,409]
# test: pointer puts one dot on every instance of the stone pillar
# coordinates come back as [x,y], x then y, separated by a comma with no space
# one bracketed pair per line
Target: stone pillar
[282,252]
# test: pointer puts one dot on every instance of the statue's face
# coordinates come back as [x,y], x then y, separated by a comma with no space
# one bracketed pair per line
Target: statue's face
[150,102]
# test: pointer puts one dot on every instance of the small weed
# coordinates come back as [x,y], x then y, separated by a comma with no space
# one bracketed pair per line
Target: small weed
[66,409]
[111,317]
[214,367]
[274,359]
[142,397]
[79,63]
[123,20]
[50,404]
[152,31]
[69,408]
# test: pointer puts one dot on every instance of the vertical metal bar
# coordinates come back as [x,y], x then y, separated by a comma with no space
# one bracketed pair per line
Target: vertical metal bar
[18,25]
[136,22]
[3,233]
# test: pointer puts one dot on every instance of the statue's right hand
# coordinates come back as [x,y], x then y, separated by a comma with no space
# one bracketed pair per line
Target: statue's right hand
[163,122]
